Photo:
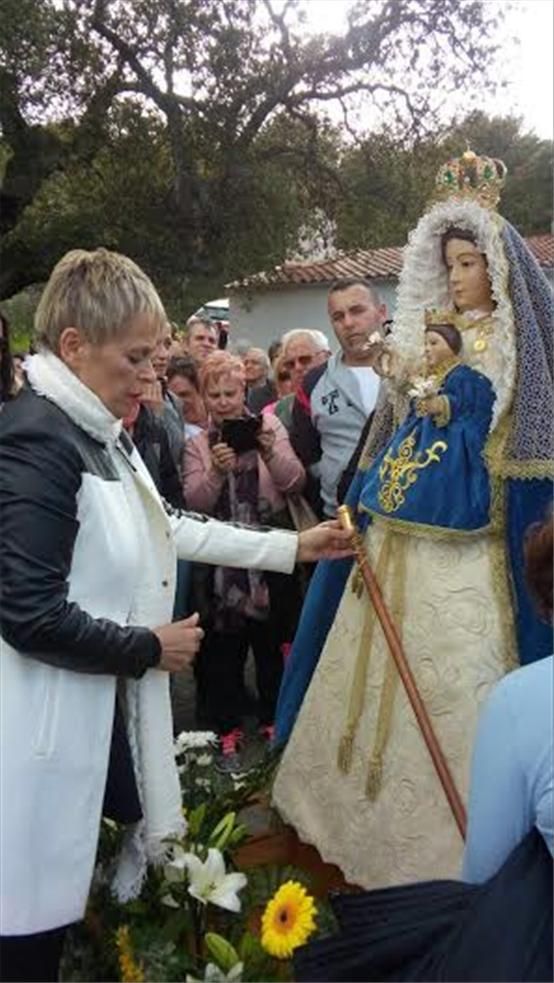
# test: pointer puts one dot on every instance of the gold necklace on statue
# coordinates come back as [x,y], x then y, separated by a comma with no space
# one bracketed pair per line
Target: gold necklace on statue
[484,327]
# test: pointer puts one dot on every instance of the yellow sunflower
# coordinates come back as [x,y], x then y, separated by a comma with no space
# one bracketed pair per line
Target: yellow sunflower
[288,920]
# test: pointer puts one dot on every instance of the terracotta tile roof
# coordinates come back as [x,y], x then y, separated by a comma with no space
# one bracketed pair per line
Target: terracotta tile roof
[542,248]
[375,264]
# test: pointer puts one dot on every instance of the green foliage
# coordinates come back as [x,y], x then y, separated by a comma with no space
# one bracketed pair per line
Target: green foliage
[527,197]
[190,134]
[20,311]
[388,182]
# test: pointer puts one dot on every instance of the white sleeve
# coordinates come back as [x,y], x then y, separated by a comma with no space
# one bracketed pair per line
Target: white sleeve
[224,544]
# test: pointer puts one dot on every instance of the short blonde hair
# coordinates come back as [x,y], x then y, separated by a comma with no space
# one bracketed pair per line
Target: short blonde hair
[99,292]
[220,364]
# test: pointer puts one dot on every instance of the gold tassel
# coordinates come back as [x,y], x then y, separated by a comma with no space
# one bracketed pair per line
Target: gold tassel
[374,777]
[344,756]
[391,680]
[357,583]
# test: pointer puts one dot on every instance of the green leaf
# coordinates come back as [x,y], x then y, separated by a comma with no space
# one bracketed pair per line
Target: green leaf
[195,820]
[220,835]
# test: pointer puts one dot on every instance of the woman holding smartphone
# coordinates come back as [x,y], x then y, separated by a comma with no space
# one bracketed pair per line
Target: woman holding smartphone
[240,469]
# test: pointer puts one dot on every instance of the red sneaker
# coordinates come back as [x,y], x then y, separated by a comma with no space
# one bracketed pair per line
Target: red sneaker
[230,741]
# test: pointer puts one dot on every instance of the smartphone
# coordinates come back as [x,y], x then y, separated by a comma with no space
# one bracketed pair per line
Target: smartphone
[241,433]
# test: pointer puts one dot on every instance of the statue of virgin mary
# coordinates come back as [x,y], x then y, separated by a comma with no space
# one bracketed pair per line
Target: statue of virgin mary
[356,779]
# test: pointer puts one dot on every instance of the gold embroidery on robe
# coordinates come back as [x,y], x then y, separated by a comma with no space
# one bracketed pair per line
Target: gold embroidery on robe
[397,474]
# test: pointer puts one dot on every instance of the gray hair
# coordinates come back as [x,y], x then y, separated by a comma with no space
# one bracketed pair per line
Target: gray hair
[262,356]
[318,337]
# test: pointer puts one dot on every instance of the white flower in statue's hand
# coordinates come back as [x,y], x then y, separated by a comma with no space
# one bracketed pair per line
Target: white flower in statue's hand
[190,740]
[422,387]
[209,883]
[213,974]
[374,339]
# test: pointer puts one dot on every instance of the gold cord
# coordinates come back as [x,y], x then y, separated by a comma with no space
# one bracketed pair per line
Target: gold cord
[359,678]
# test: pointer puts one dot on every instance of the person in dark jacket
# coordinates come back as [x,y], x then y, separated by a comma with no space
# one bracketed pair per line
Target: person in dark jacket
[260,389]
[152,442]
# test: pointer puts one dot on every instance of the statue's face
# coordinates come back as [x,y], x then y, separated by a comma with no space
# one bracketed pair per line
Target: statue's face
[468,278]
[437,349]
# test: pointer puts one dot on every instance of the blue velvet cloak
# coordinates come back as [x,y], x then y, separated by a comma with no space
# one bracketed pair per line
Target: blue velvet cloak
[432,475]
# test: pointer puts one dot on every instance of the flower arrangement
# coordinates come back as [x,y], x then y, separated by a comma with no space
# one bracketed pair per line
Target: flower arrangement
[422,386]
[198,917]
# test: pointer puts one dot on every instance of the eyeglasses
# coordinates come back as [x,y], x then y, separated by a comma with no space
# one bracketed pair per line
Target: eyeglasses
[303,361]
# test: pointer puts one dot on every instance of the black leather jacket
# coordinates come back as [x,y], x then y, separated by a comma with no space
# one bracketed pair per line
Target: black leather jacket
[43,455]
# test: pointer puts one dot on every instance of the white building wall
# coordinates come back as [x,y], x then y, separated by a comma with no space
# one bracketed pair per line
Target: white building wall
[263,317]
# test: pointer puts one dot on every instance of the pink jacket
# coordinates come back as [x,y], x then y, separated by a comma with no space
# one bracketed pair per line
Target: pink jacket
[283,474]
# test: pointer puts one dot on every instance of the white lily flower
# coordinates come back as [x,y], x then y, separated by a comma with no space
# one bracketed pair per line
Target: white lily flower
[210,884]
[213,974]
[189,740]
[422,387]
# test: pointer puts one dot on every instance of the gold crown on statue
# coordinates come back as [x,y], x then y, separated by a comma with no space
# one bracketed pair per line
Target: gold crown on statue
[479,179]
[434,317]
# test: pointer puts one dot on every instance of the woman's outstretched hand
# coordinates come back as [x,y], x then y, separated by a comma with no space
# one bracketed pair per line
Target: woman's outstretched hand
[327,541]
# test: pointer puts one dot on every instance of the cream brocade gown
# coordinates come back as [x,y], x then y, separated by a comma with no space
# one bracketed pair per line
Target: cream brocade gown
[451,623]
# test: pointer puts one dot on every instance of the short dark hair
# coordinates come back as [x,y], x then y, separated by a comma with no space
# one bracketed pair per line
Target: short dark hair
[274,349]
[450,334]
[185,366]
[202,319]
[346,282]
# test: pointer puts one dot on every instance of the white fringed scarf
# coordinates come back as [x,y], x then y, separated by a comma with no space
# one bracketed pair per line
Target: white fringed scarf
[149,722]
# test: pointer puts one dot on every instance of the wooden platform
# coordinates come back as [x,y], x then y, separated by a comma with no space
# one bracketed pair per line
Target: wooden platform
[282,846]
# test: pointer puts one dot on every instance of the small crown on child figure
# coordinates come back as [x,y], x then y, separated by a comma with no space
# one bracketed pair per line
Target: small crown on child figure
[473,178]
[434,317]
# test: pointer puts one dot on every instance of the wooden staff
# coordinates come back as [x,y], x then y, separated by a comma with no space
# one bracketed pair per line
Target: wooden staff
[404,671]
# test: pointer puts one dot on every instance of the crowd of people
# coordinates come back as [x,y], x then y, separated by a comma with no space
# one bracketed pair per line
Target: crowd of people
[134,455]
